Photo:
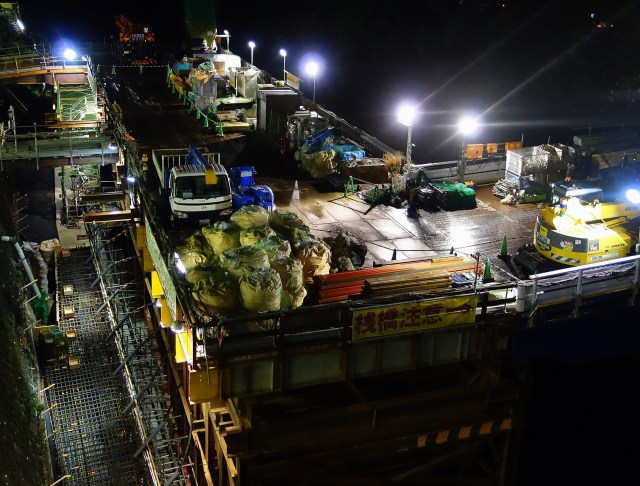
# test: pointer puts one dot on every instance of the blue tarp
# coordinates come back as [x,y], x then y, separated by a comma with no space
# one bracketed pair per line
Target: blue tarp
[347,152]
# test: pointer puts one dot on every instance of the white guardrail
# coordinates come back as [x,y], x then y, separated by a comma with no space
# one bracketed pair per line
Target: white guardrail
[578,283]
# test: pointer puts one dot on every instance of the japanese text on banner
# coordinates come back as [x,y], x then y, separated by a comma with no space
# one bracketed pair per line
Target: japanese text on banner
[417,316]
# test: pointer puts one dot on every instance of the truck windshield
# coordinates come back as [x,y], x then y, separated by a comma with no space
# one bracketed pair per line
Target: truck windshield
[193,187]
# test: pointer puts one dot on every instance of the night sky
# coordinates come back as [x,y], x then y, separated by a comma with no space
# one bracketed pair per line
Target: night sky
[538,70]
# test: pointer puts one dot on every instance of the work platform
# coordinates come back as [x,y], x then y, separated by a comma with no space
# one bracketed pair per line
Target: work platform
[339,393]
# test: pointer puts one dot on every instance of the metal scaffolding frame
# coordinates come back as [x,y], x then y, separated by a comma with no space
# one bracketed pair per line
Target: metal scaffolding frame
[77,183]
[110,409]
[93,441]
[143,355]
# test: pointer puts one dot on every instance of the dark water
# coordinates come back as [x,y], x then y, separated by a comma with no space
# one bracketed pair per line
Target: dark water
[581,400]
[580,423]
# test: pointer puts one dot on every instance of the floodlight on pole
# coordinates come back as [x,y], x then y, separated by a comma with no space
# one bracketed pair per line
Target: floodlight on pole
[466,126]
[69,54]
[226,33]
[251,46]
[312,69]
[406,115]
[283,53]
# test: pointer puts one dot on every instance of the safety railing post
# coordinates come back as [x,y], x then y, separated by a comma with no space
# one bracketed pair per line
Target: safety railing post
[578,302]
[35,144]
[636,283]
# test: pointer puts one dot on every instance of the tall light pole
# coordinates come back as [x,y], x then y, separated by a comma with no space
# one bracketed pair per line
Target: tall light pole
[283,53]
[406,115]
[226,33]
[251,46]
[312,70]
[466,126]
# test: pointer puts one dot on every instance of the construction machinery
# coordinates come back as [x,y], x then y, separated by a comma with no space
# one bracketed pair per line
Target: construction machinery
[194,185]
[246,191]
[577,228]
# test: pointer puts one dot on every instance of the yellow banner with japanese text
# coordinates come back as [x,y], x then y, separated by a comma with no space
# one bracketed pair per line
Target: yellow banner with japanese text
[416,316]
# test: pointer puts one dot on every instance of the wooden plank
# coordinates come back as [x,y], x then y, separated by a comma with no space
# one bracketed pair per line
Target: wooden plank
[386,293]
[356,275]
[419,275]
[335,299]
[407,275]
[404,285]
[368,272]
[407,285]
[435,260]
[102,216]
[102,197]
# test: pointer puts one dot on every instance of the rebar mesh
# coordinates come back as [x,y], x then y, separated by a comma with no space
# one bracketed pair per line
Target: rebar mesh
[94,441]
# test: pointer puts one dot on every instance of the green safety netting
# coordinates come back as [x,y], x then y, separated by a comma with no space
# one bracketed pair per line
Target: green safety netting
[456,195]
[40,307]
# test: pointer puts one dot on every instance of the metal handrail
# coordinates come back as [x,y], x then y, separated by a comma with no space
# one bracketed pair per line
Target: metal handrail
[576,283]
[29,63]
[24,50]
[41,142]
[77,110]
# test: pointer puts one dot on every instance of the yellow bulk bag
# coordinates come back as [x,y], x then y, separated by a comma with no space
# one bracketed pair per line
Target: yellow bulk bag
[291,274]
[315,256]
[274,245]
[235,259]
[260,289]
[197,273]
[221,236]
[217,294]
[250,216]
[191,257]
[251,236]
[286,222]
